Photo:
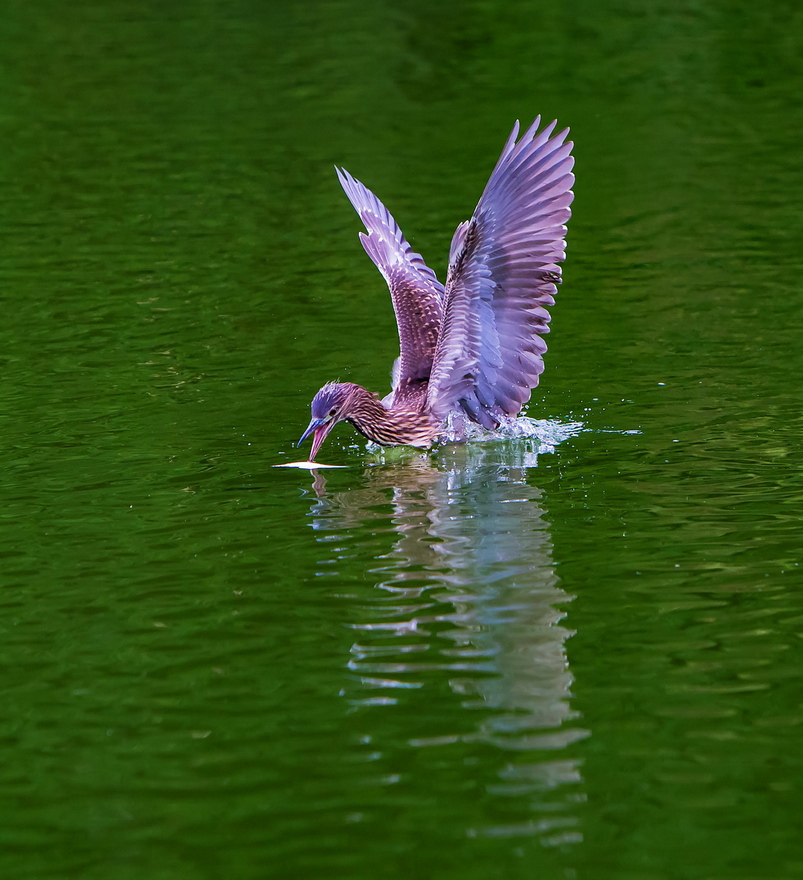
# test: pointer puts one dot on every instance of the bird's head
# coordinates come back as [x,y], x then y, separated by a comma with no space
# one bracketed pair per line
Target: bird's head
[329,406]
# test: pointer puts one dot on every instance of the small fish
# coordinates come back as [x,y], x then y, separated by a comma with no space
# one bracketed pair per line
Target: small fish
[309,465]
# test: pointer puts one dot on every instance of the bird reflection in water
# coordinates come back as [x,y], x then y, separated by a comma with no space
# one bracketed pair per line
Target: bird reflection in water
[468,592]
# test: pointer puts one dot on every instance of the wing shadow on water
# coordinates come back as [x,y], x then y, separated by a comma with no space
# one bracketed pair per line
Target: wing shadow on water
[467,604]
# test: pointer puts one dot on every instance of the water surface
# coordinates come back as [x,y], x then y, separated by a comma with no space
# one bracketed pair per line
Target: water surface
[488,661]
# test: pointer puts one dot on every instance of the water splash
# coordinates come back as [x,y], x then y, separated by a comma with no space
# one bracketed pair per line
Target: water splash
[546,433]
[516,442]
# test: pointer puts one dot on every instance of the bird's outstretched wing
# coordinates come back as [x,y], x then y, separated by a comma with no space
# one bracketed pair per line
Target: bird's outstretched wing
[503,270]
[416,292]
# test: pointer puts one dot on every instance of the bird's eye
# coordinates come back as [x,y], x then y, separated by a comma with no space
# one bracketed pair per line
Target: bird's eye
[332,412]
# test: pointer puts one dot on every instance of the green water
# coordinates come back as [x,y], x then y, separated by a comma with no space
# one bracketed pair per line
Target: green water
[477,663]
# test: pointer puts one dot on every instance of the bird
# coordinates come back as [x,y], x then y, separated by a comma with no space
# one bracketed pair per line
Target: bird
[472,348]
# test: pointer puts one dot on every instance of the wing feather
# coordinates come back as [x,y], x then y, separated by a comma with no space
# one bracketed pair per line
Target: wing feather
[416,293]
[503,271]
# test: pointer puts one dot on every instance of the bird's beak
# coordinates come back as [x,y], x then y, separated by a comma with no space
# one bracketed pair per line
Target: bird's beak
[319,428]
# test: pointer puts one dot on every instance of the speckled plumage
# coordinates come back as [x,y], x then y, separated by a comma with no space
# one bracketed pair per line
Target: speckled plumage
[474,346]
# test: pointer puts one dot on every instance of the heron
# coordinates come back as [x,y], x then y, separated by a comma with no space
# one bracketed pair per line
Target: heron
[474,347]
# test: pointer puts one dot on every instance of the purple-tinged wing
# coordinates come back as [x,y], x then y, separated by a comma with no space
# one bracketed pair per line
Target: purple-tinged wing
[416,292]
[503,271]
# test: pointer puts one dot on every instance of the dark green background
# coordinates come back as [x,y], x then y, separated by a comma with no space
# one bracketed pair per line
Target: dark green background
[466,665]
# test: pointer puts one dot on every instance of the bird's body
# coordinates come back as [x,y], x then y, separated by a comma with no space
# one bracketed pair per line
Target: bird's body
[473,347]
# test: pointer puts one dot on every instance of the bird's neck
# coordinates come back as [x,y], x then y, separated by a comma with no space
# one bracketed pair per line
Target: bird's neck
[389,427]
